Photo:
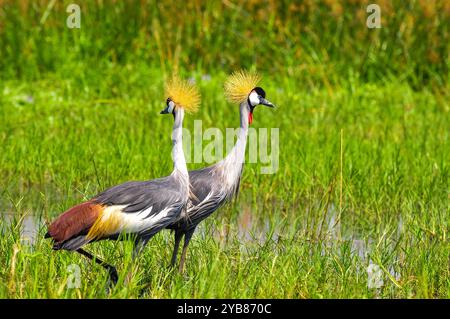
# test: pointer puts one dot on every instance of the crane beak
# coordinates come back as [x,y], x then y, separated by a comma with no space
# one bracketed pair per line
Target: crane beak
[265,102]
[165,111]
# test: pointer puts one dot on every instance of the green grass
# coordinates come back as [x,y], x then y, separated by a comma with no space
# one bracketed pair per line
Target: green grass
[364,165]
[395,167]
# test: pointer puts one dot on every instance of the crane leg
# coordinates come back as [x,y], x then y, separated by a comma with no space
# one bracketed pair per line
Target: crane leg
[176,246]
[139,244]
[111,269]
[187,239]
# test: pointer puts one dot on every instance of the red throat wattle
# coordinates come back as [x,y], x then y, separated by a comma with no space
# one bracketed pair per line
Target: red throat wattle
[250,118]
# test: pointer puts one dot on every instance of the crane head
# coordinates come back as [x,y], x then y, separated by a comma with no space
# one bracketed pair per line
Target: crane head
[257,97]
[181,94]
[170,107]
[243,86]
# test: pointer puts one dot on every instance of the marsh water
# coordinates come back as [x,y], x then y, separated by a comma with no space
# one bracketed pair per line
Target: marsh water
[249,231]
[29,226]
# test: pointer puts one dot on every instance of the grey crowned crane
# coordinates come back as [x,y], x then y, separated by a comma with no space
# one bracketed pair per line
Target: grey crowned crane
[139,208]
[215,185]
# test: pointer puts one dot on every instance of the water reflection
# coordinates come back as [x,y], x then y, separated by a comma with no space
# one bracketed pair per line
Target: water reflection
[252,232]
[29,226]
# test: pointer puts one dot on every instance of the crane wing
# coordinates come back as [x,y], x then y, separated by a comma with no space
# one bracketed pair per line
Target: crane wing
[137,196]
[144,208]
[141,208]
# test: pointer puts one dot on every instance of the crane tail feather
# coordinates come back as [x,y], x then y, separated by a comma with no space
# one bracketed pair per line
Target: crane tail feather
[73,223]
[71,244]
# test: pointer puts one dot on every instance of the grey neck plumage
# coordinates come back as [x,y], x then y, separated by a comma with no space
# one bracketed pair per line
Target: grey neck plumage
[232,164]
[238,152]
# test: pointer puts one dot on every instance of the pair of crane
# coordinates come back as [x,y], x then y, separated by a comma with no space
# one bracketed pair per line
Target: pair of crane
[179,201]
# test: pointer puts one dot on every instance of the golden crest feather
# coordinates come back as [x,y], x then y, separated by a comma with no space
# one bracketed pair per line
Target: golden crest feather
[183,93]
[239,85]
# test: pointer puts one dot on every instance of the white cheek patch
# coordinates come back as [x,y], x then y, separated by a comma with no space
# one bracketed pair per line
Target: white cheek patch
[171,107]
[254,99]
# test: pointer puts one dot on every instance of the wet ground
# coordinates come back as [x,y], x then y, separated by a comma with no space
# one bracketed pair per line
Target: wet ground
[250,232]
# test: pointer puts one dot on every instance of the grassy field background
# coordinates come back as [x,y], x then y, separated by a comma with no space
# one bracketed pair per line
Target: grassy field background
[364,163]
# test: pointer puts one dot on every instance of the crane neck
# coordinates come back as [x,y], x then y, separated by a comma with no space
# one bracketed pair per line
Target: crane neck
[179,161]
[237,154]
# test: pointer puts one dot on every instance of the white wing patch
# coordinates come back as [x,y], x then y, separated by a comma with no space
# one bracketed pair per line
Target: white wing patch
[139,221]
